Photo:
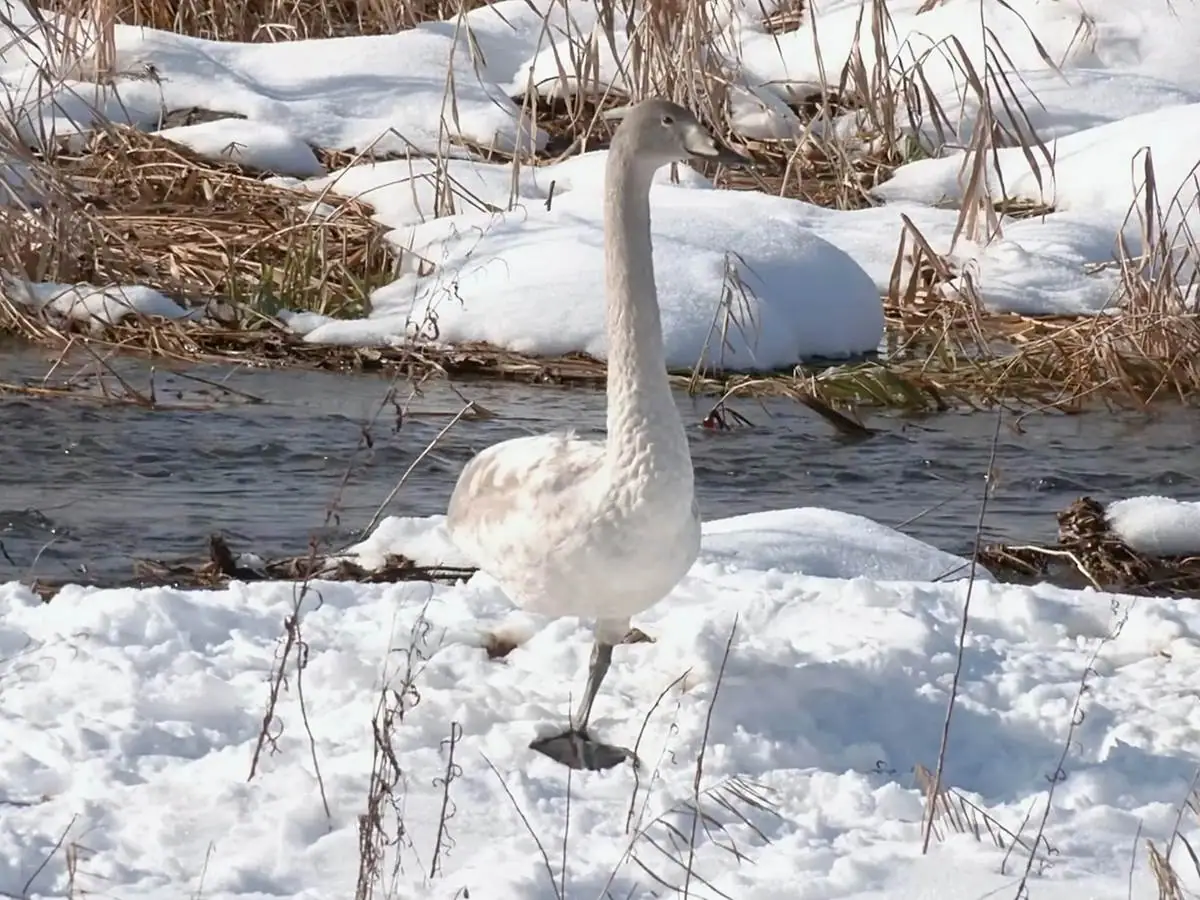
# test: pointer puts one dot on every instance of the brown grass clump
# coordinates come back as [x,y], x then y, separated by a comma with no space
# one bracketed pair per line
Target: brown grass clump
[1089,554]
[271,20]
[221,566]
[950,811]
[787,16]
[132,208]
[1171,882]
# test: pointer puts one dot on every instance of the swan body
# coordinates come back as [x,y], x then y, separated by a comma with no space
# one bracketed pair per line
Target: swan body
[563,538]
[601,529]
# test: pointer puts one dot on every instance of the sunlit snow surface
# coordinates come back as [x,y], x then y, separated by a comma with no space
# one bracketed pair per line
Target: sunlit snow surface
[1159,526]
[131,718]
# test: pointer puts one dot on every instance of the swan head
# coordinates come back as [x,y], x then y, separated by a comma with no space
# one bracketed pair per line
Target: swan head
[660,132]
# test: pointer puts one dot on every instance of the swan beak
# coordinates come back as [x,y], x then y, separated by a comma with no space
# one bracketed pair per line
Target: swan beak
[704,148]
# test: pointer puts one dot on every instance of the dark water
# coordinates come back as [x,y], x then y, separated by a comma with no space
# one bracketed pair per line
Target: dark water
[84,488]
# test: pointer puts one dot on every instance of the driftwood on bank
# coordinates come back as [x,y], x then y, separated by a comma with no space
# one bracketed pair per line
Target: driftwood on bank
[222,566]
[1089,554]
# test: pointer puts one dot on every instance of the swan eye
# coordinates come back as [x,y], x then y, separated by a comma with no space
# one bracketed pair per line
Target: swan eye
[668,120]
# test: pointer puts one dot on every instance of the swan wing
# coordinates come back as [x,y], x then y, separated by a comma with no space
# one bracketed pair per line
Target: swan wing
[518,501]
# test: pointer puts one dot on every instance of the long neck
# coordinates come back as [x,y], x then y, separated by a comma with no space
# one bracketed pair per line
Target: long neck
[644,427]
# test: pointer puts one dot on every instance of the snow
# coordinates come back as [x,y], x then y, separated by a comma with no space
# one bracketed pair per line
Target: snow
[1073,187]
[831,544]
[1130,62]
[1160,526]
[131,718]
[532,279]
[807,540]
[256,145]
[517,276]
[386,92]
[96,306]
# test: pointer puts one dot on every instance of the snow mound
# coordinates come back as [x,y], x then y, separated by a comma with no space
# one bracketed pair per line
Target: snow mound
[256,145]
[829,544]
[739,264]
[387,92]
[1159,526]
[807,540]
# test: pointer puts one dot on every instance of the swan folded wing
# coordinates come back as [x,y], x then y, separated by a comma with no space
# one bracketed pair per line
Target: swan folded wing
[521,499]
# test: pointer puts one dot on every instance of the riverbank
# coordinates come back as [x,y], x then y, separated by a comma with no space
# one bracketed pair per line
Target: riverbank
[1014,254]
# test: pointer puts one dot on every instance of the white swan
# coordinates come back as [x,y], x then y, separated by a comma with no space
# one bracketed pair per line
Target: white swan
[601,529]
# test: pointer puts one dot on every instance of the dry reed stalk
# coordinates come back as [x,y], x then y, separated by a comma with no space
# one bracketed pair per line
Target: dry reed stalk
[878,109]
[665,48]
[1142,349]
[1170,883]
[133,208]
[787,15]
[272,20]
[126,209]
[1088,553]
[950,810]
[1054,366]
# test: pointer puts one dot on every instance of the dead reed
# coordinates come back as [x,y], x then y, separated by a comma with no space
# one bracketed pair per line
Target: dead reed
[1171,882]
[1088,554]
[268,20]
[148,211]
[220,566]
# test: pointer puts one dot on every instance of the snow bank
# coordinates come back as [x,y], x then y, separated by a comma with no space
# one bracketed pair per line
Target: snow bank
[1159,526]
[132,716]
[256,145]
[808,540]
[1094,173]
[97,306]
[1117,62]
[829,544]
[386,91]
[532,279]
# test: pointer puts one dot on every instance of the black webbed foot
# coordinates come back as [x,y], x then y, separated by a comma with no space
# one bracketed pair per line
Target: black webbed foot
[576,750]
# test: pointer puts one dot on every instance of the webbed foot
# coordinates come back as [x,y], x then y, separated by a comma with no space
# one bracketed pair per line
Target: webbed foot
[637,636]
[576,750]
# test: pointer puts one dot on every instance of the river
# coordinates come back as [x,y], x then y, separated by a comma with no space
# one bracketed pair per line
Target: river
[85,488]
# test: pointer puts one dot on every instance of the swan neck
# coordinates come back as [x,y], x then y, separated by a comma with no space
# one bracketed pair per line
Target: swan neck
[644,425]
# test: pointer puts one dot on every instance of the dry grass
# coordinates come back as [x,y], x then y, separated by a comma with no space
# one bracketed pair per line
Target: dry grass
[1172,884]
[949,810]
[272,20]
[1024,363]
[220,566]
[132,208]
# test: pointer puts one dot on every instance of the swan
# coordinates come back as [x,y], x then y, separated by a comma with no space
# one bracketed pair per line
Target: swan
[601,529]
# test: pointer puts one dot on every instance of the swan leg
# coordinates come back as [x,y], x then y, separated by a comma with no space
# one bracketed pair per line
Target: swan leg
[597,669]
[574,748]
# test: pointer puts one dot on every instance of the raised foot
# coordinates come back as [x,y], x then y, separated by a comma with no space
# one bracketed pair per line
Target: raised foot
[637,636]
[575,750]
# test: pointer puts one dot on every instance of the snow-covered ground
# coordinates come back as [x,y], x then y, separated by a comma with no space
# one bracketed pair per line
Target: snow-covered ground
[130,720]
[507,270]
[96,306]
